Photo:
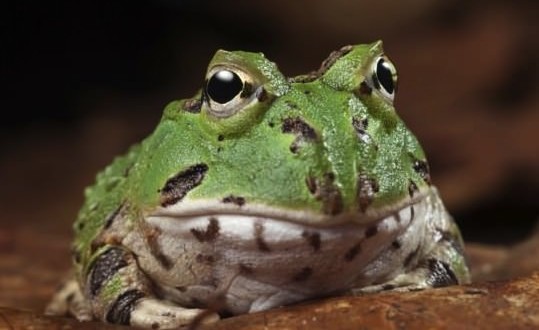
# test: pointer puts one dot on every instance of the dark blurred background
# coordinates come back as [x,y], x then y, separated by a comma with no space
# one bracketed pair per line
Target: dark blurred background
[82,80]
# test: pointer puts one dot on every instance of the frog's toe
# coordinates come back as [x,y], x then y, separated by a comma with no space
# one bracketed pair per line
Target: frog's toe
[396,286]
[430,273]
[69,300]
[158,314]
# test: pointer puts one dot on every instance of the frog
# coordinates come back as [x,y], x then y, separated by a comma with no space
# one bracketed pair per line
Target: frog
[262,191]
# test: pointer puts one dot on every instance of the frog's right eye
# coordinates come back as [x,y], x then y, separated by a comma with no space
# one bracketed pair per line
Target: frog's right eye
[227,90]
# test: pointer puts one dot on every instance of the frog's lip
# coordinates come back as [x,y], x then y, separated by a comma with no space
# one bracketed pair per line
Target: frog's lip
[189,208]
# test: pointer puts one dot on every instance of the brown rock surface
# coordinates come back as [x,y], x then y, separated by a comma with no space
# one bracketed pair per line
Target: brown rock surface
[497,305]
[502,305]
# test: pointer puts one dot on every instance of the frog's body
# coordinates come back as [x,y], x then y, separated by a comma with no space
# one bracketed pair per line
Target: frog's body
[262,191]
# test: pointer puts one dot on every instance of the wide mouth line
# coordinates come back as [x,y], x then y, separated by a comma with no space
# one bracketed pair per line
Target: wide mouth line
[199,208]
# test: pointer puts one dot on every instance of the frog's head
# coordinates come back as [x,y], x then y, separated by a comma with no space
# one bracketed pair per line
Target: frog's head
[320,148]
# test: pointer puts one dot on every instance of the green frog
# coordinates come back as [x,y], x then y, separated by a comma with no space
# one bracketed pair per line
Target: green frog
[262,191]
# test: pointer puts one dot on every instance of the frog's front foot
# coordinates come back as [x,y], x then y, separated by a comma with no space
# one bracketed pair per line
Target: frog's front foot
[402,283]
[158,314]
[69,300]
[443,266]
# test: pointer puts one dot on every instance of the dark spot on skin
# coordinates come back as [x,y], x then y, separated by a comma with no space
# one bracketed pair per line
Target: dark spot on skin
[245,269]
[155,326]
[311,184]
[205,259]
[303,275]
[220,138]
[410,257]
[353,252]
[181,288]
[105,267]
[371,231]
[360,126]
[208,235]
[330,195]
[120,311]
[326,191]
[259,237]
[240,201]
[364,89]
[367,188]
[421,167]
[192,106]
[440,274]
[112,216]
[298,126]
[387,287]
[178,186]
[313,239]
[262,94]
[412,188]
[152,236]
[396,244]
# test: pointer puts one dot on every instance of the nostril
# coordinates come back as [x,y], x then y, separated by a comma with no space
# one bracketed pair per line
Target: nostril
[326,191]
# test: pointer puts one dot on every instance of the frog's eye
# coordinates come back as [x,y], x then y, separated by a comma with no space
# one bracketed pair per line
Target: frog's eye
[223,86]
[227,90]
[384,77]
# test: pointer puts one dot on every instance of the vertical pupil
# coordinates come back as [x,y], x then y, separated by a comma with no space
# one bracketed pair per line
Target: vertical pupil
[385,77]
[223,86]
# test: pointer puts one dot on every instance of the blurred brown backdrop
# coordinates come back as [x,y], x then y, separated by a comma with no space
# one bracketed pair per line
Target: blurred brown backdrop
[85,79]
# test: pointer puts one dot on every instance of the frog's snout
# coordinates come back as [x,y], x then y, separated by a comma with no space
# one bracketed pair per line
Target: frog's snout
[332,161]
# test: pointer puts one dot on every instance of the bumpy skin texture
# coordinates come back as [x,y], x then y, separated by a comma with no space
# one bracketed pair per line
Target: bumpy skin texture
[315,176]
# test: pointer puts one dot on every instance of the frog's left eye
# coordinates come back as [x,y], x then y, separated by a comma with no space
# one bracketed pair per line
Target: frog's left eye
[227,90]
[223,86]
[384,77]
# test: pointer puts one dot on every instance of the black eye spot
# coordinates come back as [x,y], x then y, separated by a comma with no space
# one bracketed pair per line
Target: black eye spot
[384,76]
[223,86]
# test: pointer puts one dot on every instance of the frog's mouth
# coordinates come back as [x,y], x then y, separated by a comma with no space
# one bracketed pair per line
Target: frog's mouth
[190,208]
